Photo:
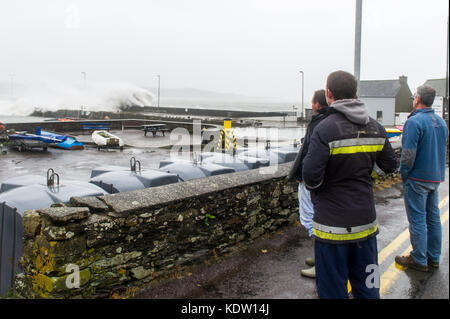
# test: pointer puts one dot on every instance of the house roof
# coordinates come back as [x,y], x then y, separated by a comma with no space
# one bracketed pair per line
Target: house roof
[438,85]
[379,88]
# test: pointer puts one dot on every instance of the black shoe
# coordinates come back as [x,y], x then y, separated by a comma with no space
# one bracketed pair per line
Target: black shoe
[433,264]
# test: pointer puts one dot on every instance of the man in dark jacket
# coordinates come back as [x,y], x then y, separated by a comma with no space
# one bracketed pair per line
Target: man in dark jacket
[337,169]
[306,210]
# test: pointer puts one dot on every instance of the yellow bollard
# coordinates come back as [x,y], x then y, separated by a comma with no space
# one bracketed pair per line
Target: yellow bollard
[227,138]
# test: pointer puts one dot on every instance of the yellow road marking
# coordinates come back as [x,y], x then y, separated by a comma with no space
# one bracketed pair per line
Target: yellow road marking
[394,270]
[397,242]
[392,273]
[393,246]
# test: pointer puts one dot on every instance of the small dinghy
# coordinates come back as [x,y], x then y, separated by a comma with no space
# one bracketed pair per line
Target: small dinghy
[118,181]
[224,159]
[67,142]
[23,141]
[108,168]
[42,193]
[275,155]
[393,132]
[187,170]
[104,139]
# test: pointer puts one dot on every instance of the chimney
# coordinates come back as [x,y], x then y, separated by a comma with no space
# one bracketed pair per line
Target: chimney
[403,79]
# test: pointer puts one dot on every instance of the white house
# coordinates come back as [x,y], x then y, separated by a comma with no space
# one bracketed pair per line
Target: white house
[389,101]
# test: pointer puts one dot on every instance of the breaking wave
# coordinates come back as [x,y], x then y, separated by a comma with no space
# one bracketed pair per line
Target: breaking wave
[23,99]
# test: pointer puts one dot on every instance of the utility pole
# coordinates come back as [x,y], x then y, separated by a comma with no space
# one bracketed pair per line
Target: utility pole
[445,114]
[358,24]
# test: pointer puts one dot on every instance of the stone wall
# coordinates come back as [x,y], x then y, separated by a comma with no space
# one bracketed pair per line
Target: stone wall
[129,240]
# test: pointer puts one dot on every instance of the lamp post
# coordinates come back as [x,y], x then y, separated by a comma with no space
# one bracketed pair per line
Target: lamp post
[303,90]
[159,88]
[358,24]
[445,114]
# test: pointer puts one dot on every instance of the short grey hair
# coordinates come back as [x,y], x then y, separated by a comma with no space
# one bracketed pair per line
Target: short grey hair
[426,94]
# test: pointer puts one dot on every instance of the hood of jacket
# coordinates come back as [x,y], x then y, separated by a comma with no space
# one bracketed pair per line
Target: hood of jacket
[354,110]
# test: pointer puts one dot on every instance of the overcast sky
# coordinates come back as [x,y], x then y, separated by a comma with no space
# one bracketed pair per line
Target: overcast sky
[249,47]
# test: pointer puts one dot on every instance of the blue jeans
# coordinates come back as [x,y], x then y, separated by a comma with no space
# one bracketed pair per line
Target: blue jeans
[425,229]
[305,208]
[355,262]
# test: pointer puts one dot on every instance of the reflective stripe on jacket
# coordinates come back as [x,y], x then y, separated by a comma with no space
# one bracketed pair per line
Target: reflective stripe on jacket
[337,170]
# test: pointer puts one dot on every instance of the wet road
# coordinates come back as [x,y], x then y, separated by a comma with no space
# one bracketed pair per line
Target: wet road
[270,268]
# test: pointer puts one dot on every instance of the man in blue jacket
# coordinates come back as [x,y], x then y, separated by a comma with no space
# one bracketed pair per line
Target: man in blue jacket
[422,167]
[344,148]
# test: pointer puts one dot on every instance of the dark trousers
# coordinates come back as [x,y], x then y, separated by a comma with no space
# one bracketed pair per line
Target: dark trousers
[338,263]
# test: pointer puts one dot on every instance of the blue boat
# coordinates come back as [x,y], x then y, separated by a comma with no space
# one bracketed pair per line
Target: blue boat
[67,142]
[25,141]
[42,139]
[393,132]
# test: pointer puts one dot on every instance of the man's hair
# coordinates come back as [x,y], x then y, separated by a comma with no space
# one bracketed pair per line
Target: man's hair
[342,85]
[319,96]
[426,94]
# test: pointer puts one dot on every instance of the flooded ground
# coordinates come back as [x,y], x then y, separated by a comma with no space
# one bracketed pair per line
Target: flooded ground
[149,150]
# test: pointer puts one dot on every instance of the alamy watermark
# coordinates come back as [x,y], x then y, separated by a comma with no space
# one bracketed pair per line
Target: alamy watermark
[73,279]
[73,16]
[373,277]
[260,147]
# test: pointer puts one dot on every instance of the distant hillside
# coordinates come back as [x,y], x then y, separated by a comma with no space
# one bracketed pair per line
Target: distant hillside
[198,94]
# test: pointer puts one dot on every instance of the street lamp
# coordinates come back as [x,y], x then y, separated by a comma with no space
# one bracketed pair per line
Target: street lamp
[159,88]
[303,89]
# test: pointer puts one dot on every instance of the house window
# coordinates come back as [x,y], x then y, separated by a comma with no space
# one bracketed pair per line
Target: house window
[380,116]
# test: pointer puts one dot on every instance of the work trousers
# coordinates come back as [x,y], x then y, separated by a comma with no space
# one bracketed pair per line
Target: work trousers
[336,264]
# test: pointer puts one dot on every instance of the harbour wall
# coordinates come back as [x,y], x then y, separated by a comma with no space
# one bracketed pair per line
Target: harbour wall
[114,124]
[209,112]
[129,241]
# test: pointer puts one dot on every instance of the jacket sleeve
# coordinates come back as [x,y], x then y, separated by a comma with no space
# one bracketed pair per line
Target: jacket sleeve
[295,173]
[410,139]
[386,159]
[315,162]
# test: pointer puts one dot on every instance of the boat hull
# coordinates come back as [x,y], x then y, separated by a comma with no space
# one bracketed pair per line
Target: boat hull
[104,139]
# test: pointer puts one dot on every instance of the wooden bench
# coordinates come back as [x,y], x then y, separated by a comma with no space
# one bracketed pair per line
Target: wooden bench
[95,127]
